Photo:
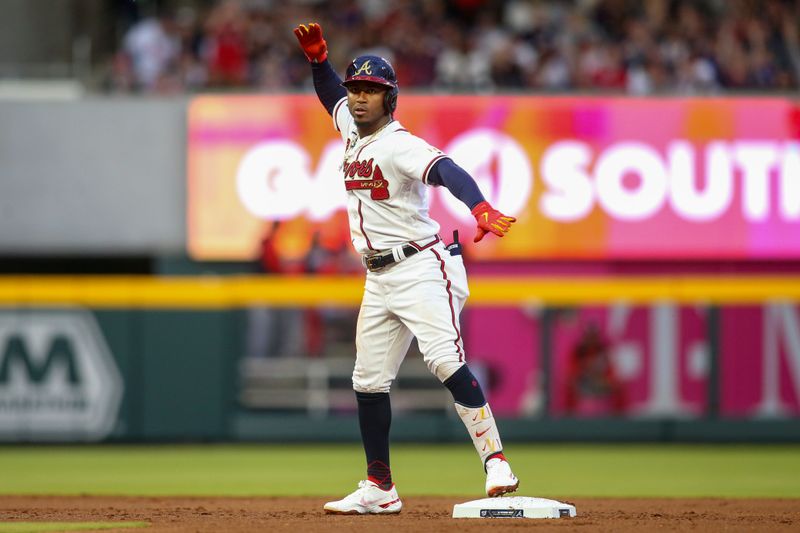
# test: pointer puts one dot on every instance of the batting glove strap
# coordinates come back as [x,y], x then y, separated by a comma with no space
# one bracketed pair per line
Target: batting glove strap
[311,41]
[490,220]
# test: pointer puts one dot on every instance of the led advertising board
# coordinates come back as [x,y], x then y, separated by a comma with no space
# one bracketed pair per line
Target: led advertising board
[587,178]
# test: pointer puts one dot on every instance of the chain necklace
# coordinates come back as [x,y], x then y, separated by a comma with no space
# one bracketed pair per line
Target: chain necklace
[352,145]
[374,133]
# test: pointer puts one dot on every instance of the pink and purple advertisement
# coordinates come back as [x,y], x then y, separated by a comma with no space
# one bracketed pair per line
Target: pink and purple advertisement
[587,178]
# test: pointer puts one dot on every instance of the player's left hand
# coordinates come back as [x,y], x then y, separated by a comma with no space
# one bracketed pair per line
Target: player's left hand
[490,220]
[311,41]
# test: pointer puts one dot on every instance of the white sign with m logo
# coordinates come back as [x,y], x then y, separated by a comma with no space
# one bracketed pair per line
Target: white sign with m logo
[58,379]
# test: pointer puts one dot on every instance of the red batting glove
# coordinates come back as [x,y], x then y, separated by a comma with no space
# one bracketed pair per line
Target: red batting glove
[311,41]
[490,220]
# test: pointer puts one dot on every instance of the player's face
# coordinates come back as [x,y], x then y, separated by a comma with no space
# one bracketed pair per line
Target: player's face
[365,101]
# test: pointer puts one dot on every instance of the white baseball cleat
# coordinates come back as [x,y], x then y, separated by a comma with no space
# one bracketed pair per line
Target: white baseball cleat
[499,478]
[368,499]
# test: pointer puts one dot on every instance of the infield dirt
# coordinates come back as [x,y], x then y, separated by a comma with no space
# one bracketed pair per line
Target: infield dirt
[420,514]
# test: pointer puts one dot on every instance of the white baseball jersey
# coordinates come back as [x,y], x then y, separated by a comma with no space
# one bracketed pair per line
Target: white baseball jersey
[385,175]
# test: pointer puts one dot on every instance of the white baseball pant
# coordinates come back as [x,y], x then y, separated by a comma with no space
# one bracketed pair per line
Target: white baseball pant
[421,296]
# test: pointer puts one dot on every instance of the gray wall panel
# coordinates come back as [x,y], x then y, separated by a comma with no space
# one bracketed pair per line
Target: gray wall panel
[35,32]
[98,176]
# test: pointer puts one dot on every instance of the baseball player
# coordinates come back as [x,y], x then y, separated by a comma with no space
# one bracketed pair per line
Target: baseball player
[415,286]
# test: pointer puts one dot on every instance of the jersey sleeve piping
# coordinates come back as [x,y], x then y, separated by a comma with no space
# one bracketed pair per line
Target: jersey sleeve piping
[430,165]
[336,113]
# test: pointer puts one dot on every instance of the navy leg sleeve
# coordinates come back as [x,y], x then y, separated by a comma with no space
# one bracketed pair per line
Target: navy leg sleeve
[465,388]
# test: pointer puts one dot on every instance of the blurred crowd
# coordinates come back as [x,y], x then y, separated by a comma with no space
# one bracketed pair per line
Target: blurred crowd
[637,47]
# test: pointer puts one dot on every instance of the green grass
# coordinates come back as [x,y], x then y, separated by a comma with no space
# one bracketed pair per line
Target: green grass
[545,470]
[41,527]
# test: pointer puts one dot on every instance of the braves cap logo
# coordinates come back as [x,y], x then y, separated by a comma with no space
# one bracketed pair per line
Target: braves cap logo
[365,68]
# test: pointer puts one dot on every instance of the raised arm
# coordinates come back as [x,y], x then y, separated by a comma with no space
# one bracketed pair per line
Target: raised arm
[445,172]
[327,83]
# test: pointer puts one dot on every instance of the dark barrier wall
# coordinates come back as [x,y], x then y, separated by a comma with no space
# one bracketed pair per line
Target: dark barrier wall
[178,372]
[71,374]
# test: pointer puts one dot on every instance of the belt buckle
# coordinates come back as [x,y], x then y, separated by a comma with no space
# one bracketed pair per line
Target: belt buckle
[372,262]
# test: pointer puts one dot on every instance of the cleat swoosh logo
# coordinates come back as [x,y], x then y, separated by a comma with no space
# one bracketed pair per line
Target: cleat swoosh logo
[367,502]
[385,505]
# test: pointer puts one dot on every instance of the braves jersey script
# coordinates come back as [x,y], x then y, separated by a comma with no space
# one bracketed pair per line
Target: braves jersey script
[385,176]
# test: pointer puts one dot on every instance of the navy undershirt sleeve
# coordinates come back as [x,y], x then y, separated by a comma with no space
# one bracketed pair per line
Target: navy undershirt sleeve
[445,172]
[328,85]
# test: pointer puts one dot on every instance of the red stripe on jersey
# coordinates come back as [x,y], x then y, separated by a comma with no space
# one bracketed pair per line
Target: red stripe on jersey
[427,169]
[360,216]
[336,111]
[420,248]
[452,309]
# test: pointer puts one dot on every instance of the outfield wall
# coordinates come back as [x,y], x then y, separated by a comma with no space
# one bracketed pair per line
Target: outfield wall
[167,359]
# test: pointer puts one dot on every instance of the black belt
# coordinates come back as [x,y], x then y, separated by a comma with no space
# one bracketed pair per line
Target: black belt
[379,261]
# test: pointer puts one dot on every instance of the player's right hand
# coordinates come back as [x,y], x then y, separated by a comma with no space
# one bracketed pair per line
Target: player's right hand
[311,41]
[490,220]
